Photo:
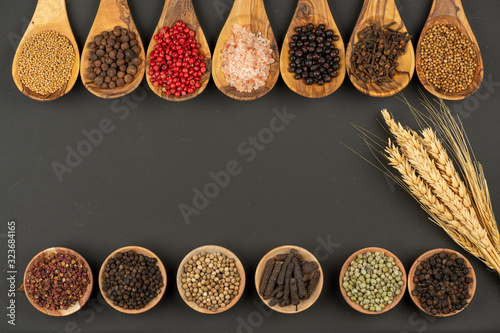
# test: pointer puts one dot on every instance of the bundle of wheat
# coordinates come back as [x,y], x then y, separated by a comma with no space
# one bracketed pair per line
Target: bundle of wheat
[459,205]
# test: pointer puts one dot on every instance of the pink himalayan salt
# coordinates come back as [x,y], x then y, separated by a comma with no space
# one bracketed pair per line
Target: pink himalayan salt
[246,59]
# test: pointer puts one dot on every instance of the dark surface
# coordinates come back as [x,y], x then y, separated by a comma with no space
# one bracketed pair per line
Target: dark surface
[304,188]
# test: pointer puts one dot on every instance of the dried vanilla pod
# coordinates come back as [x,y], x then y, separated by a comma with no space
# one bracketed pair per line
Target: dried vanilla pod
[272,280]
[299,278]
[313,283]
[267,274]
[288,260]
[294,292]
[309,267]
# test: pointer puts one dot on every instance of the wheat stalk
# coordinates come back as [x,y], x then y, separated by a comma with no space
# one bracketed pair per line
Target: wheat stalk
[429,175]
[438,212]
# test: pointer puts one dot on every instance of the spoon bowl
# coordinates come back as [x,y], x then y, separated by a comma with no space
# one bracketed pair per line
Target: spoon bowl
[80,303]
[183,10]
[145,252]
[251,14]
[382,12]
[112,13]
[211,249]
[450,12]
[315,12]
[49,15]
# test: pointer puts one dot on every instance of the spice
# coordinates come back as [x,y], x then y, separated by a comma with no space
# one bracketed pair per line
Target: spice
[309,267]
[372,280]
[267,275]
[57,281]
[211,280]
[245,60]
[272,280]
[46,62]
[288,260]
[176,64]
[375,56]
[313,55]
[114,58]
[294,286]
[131,280]
[442,284]
[448,59]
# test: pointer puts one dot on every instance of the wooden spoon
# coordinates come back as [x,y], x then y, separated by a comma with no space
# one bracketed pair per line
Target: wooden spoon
[315,12]
[451,12]
[250,13]
[49,15]
[358,307]
[412,285]
[382,12]
[145,252]
[80,303]
[304,303]
[211,249]
[183,10]
[112,13]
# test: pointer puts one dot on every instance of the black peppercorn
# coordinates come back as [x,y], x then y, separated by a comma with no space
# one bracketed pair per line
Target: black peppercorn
[311,48]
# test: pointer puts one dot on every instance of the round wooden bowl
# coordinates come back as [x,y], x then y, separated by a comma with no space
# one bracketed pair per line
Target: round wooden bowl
[81,302]
[211,249]
[307,256]
[358,307]
[145,252]
[428,254]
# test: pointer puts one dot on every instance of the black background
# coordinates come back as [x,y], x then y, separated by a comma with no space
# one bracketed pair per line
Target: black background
[304,188]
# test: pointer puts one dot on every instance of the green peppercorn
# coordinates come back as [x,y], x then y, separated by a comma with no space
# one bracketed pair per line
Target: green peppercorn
[372,280]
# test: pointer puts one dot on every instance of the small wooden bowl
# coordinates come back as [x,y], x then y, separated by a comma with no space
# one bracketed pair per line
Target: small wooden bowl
[145,252]
[396,299]
[211,249]
[81,302]
[428,254]
[307,256]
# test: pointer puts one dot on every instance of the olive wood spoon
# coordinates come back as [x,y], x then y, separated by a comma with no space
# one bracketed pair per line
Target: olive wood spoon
[49,15]
[315,12]
[382,12]
[112,13]
[451,12]
[250,13]
[183,10]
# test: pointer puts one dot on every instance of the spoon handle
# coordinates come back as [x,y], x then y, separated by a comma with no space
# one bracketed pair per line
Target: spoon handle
[115,9]
[174,10]
[446,8]
[306,9]
[377,7]
[50,11]
[248,7]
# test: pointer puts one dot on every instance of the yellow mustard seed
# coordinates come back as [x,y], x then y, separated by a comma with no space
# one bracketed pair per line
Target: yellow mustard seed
[45,62]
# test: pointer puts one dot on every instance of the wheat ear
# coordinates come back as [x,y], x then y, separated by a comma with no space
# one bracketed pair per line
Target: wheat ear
[432,205]
[420,160]
[445,165]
